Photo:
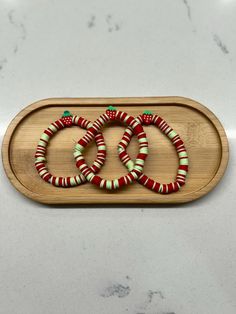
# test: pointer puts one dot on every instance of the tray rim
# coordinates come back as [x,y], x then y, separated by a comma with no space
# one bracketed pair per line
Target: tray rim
[124,101]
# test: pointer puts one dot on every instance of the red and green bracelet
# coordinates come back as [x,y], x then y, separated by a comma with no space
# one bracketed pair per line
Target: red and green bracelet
[148,118]
[111,115]
[67,120]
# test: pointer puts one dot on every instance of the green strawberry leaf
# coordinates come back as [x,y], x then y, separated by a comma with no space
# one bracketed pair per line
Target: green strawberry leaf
[66,114]
[147,112]
[111,108]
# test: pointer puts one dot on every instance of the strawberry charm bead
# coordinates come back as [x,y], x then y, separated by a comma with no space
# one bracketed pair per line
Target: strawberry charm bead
[67,118]
[147,117]
[111,112]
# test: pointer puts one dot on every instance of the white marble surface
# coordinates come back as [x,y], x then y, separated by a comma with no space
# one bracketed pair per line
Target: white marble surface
[99,260]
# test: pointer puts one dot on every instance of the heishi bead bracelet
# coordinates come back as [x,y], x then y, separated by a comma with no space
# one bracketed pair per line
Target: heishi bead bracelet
[135,168]
[111,115]
[67,120]
[147,118]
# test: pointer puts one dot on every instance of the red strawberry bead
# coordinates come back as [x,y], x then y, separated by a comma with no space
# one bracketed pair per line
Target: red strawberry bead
[111,112]
[147,117]
[67,118]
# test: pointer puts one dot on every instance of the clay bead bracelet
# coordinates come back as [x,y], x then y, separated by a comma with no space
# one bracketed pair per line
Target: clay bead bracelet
[146,119]
[67,120]
[111,115]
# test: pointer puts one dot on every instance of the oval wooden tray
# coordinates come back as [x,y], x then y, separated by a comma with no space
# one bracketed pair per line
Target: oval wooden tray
[203,134]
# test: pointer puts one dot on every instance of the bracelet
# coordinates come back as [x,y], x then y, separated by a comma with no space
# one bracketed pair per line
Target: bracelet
[111,115]
[146,119]
[67,120]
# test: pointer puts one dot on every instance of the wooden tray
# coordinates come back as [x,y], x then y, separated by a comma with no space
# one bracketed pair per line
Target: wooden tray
[203,134]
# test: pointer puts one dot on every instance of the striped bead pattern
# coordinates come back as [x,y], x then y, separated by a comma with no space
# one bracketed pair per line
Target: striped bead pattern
[40,155]
[163,188]
[136,171]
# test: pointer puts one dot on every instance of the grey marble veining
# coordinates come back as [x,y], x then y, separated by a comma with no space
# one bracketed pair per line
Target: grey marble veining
[220,44]
[188,8]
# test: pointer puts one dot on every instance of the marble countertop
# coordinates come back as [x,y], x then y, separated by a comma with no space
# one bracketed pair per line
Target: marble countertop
[164,260]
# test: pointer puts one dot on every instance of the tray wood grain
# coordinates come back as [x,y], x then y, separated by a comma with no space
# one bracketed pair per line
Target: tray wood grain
[203,134]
